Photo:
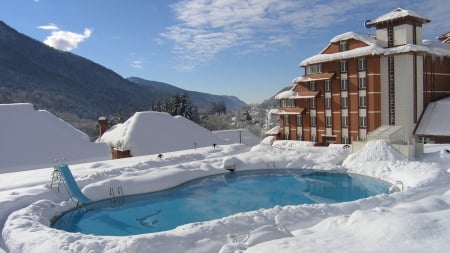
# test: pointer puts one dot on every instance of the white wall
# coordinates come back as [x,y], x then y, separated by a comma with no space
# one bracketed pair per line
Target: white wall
[404,103]
[403,34]
[382,37]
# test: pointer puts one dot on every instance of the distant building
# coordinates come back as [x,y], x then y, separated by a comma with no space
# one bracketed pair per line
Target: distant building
[358,84]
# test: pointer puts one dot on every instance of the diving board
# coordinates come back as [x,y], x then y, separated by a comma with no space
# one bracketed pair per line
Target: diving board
[71,185]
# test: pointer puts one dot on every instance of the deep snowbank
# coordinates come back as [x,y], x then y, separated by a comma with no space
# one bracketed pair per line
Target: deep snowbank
[415,220]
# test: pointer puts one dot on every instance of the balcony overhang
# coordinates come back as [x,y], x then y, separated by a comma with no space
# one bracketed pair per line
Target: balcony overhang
[313,77]
[290,94]
[287,111]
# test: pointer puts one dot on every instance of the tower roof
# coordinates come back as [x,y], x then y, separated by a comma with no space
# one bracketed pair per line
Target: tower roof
[398,15]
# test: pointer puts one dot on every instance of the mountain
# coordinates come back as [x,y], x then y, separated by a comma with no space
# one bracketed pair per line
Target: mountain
[72,87]
[200,99]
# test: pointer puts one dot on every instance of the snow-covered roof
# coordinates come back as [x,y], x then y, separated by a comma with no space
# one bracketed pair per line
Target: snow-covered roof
[371,49]
[313,77]
[353,35]
[397,14]
[293,111]
[33,139]
[435,120]
[290,94]
[273,131]
[151,132]
[430,47]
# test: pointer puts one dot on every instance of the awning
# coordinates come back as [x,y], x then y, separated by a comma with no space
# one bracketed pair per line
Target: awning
[313,77]
[290,94]
[287,111]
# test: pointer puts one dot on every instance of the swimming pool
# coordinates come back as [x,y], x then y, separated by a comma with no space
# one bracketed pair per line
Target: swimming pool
[215,197]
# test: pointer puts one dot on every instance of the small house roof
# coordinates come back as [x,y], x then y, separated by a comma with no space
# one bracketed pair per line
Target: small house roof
[435,120]
[151,132]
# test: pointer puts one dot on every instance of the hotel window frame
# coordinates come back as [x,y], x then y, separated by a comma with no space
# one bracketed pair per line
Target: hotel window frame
[312,103]
[344,84]
[363,122]
[344,66]
[299,121]
[363,101]
[362,82]
[344,121]
[286,120]
[343,46]
[312,86]
[344,102]
[313,69]
[327,85]
[313,138]
[328,103]
[328,121]
[345,140]
[313,120]
[362,64]
[287,103]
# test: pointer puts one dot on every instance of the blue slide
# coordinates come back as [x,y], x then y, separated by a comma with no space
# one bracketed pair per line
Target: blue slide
[72,186]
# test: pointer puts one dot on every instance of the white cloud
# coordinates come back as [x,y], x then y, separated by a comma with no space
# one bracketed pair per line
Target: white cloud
[208,27]
[137,64]
[64,40]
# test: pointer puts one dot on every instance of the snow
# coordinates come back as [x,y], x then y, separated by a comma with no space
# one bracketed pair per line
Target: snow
[431,47]
[415,220]
[436,120]
[397,14]
[33,139]
[242,135]
[151,132]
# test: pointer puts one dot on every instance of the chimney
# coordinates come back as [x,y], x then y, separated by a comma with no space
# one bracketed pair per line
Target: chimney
[102,125]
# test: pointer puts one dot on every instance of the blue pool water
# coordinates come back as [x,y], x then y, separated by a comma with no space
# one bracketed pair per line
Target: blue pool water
[216,197]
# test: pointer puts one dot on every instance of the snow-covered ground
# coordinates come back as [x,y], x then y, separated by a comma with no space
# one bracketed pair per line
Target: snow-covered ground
[415,220]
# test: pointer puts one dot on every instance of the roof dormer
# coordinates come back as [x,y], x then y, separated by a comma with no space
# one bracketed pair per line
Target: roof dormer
[398,27]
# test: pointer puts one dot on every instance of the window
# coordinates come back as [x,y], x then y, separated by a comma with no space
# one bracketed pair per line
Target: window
[313,121]
[345,140]
[313,138]
[286,120]
[363,121]
[362,82]
[362,101]
[299,120]
[361,64]
[287,103]
[312,86]
[314,69]
[344,121]
[312,103]
[343,46]
[328,121]
[344,102]
[344,84]
[328,103]
[343,66]
[327,85]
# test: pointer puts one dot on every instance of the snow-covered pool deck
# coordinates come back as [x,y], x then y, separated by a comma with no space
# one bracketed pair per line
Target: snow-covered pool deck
[416,220]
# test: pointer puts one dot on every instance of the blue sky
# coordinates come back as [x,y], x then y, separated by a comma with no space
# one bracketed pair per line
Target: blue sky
[246,48]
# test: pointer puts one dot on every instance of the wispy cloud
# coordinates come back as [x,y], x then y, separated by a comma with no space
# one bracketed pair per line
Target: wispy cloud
[137,64]
[208,27]
[64,40]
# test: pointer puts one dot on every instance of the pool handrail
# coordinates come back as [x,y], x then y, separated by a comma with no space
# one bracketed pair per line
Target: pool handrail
[71,186]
